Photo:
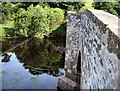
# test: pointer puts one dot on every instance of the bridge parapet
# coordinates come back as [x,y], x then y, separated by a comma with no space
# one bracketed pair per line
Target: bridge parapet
[92,51]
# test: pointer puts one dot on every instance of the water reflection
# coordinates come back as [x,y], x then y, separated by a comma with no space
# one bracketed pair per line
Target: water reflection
[34,65]
[8,43]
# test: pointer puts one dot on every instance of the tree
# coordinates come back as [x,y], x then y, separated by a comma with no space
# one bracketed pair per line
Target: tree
[37,20]
[5,9]
[111,7]
[67,6]
[8,10]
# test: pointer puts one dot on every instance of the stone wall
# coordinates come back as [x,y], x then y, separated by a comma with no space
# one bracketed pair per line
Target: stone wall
[94,36]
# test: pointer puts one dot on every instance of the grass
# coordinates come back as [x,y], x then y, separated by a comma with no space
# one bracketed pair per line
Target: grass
[6,29]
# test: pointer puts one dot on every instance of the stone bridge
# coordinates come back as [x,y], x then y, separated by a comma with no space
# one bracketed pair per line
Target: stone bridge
[92,51]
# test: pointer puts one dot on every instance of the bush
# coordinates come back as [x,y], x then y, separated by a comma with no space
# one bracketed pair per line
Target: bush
[5,9]
[111,7]
[38,20]
[67,6]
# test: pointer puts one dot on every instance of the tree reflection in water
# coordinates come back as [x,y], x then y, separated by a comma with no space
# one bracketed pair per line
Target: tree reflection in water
[40,56]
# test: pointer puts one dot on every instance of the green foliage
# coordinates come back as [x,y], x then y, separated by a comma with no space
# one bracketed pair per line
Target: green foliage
[56,17]
[8,10]
[60,31]
[6,29]
[42,18]
[5,9]
[38,20]
[16,7]
[66,6]
[88,5]
[111,7]
[2,32]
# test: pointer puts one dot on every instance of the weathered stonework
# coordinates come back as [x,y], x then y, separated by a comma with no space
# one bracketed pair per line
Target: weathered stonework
[92,51]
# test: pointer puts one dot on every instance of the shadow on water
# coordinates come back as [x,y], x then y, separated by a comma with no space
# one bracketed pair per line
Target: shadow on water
[35,60]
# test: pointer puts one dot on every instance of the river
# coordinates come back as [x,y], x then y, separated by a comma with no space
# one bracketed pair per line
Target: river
[31,63]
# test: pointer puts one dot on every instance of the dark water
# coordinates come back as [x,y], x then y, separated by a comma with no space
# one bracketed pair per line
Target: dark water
[31,63]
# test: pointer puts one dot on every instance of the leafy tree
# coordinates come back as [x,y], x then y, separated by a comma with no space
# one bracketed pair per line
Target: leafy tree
[17,6]
[38,20]
[8,10]
[87,5]
[117,8]
[5,9]
[111,7]
[66,6]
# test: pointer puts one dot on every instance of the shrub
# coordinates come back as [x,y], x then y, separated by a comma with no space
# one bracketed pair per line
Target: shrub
[38,20]
[111,7]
